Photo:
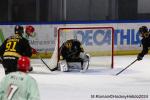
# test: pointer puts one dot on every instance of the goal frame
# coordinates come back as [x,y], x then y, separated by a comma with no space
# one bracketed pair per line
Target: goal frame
[73,28]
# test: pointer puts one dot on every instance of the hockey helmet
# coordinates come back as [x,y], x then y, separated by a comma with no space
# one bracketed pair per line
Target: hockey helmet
[29,30]
[19,29]
[24,64]
[143,29]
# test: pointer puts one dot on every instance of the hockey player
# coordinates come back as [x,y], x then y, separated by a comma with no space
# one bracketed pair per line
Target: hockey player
[19,85]
[72,51]
[29,32]
[14,47]
[145,34]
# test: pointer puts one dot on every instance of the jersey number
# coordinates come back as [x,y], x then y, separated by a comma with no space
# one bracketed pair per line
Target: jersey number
[10,46]
[12,90]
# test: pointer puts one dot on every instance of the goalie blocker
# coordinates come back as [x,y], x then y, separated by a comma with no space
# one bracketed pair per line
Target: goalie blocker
[72,52]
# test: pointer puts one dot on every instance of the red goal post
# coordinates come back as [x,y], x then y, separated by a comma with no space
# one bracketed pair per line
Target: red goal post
[97,41]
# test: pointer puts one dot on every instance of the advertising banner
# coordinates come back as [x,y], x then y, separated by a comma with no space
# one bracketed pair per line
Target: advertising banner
[126,36]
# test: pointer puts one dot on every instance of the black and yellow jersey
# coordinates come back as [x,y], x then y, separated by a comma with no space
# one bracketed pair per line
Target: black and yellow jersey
[71,49]
[15,46]
[146,46]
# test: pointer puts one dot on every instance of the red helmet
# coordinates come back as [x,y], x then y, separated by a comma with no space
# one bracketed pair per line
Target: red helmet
[29,30]
[23,64]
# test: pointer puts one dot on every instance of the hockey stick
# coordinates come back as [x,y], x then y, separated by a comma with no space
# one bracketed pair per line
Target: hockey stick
[44,62]
[127,67]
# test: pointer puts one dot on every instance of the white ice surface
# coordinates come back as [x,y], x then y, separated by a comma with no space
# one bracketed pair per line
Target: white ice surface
[134,81]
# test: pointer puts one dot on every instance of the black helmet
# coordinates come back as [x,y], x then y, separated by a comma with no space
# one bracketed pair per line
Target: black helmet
[19,29]
[143,29]
[144,32]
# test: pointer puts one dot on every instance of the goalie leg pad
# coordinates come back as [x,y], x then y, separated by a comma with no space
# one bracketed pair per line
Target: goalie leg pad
[62,64]
[86,59]
[85,66]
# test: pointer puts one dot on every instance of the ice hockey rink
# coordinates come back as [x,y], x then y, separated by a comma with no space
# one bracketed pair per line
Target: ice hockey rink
[98,83]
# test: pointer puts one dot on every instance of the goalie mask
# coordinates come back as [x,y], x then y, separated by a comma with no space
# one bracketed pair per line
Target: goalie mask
[19,30]
[23,64]
[144,31]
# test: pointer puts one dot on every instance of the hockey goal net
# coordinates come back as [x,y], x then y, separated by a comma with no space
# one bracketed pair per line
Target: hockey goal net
[97,41]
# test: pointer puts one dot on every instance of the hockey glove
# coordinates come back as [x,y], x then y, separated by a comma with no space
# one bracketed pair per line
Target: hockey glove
[34,51]
[139,57]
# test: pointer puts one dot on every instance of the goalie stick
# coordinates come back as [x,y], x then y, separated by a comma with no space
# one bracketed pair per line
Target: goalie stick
[44,62]
[126,67]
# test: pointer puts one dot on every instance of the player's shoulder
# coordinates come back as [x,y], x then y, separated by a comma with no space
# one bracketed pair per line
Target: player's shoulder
[24,40]
[11,76]
[22,75]
[17,73]
[29,76]
[31,80]
[10,37]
